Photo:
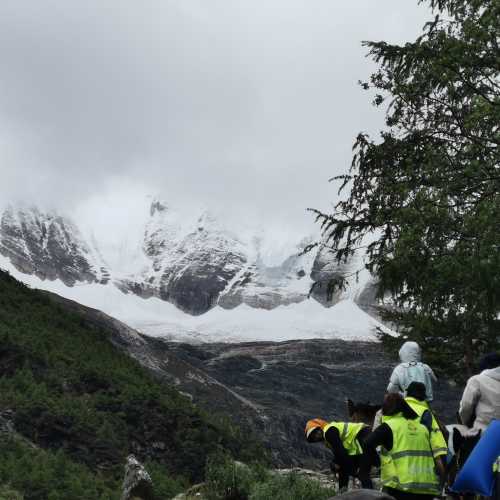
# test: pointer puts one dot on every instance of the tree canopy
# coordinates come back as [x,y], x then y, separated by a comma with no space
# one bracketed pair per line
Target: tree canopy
[425,195]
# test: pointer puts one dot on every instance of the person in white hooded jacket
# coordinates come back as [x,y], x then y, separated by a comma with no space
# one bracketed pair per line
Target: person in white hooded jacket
[411,369]
[480,402]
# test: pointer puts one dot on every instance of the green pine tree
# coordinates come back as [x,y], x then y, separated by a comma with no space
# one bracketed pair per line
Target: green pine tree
[426,194]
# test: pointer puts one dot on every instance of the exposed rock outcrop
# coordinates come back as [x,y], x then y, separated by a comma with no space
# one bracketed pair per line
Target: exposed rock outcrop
[137,483]
[48,246]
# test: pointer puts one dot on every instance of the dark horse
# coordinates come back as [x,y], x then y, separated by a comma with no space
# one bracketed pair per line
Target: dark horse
[461,442]
[361,412]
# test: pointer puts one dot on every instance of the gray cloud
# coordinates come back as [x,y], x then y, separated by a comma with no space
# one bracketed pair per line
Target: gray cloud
[245,105]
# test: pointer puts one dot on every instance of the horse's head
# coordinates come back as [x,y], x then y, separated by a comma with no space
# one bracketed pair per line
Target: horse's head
[463,443]
[361,412]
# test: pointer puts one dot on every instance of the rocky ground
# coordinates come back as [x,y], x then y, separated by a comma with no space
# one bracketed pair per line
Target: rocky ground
[287,383]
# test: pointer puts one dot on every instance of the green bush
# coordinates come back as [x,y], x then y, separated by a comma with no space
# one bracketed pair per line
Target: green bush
[41,475]
[7,493]
[230,480]
[290,487]
[227,479]
[164,485]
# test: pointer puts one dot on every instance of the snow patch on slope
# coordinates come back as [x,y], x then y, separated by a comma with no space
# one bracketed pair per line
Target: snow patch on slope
[305,320]
[154,317]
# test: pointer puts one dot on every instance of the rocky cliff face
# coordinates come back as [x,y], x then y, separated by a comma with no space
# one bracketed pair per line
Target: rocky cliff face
[49,246]
[192,263]
[197,265]
[264,286]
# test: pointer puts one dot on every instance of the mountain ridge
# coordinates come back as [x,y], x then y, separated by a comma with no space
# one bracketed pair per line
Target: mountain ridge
[193,263]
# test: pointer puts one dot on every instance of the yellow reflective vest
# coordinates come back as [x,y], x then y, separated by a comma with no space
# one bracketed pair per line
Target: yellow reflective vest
[438,443]
[409,465]
[348,433]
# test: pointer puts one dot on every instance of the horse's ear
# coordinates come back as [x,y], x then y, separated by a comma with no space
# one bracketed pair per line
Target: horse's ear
[458,439]
[350,407]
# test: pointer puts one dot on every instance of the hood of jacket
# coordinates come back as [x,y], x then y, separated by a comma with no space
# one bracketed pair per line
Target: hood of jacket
[410,351]
[493,373]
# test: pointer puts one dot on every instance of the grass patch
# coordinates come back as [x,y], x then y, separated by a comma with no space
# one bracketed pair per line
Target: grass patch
[230,480]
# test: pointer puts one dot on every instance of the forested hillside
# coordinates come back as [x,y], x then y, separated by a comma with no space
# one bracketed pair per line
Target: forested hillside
[78,406]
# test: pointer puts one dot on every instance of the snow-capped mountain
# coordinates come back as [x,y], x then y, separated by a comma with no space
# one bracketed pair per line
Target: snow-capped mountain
[49,246]
[197,265]
[190,264]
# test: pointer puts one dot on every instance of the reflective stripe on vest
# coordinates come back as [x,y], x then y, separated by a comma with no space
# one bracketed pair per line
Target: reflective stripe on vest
[348,433]
[411,453]
[409,465]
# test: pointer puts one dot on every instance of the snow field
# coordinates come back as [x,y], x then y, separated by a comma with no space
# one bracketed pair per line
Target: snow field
[154,317]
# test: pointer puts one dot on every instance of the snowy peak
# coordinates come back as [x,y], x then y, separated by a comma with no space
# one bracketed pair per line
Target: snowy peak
[268,286]
[192,261]
[163,231]
[200,263]
[49,246]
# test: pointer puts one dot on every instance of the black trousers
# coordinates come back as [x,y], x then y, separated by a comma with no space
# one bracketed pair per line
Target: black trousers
[360,465]
[358,468]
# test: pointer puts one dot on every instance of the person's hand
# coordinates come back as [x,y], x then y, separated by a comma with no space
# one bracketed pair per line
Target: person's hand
[440,468]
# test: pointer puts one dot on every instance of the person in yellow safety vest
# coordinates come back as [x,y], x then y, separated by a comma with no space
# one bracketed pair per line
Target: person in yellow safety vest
[417,401]
[410,467]
[344,439]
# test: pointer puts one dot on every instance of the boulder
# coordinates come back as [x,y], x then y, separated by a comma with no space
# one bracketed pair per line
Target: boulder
[137,484]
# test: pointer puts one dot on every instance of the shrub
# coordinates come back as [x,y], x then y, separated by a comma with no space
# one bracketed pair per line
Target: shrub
[290,487]
[230,480]
[7,493]
[41,475]
[164,485]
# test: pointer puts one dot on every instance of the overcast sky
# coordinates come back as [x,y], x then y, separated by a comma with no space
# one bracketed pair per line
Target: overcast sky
[243,105]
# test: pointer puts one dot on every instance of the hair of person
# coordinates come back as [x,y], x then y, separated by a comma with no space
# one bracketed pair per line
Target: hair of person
[394,404]
[417,390]
[489,361]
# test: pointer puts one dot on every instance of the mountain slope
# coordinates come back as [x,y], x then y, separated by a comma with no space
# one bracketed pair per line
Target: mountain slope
[271,388]
[70,392]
